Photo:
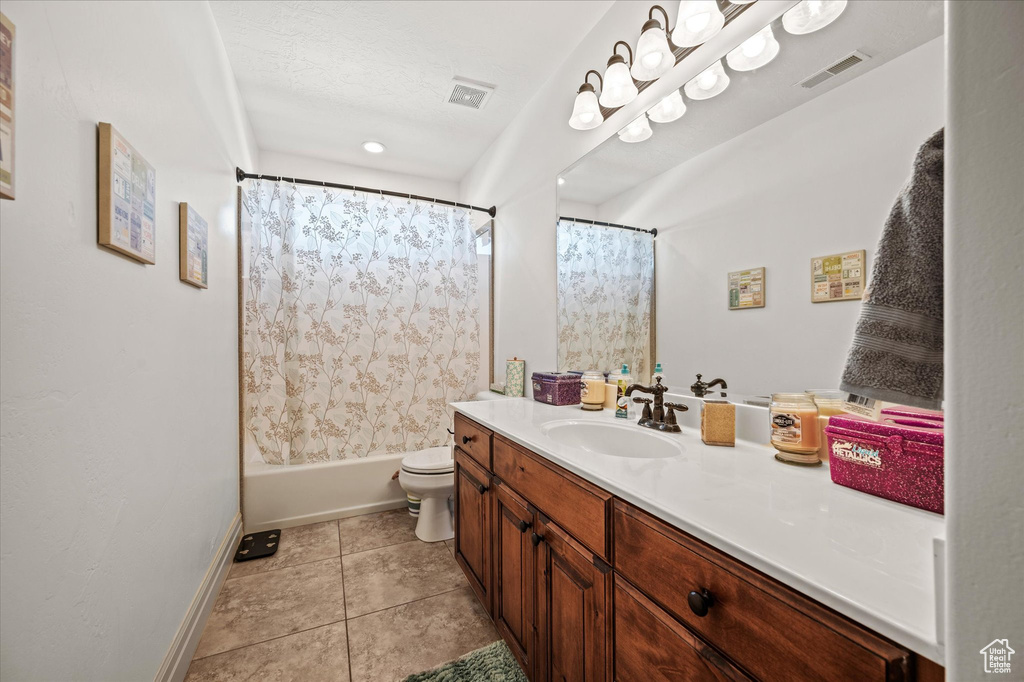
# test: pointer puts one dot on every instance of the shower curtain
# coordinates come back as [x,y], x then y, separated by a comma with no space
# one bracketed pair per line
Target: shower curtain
[605,286]
[361,321]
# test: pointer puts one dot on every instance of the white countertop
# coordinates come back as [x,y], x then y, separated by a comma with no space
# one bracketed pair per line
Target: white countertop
[868,558]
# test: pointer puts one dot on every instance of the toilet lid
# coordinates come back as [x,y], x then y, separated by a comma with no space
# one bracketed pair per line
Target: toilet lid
[432,461]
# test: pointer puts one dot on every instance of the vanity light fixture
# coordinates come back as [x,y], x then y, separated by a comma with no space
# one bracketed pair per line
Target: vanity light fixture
[618,88]
[811,15]
[755,51]
[586,112]
[708,83]
[637,131]
[669,109]
[654,57]
[374,147]
[697,22]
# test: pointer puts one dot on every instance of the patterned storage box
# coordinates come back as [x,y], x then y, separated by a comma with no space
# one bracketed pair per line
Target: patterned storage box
[899,458]
[556,389]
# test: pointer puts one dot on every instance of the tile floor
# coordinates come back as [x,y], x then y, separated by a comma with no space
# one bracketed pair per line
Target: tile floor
[358,600]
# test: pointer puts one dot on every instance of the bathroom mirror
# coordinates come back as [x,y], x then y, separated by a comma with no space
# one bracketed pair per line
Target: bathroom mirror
[800,158]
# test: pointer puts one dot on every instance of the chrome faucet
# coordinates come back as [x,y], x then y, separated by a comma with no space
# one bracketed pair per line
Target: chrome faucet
[701,389]
[657,418]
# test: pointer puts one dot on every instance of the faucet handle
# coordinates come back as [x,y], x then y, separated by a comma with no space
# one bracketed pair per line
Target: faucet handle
[677,406]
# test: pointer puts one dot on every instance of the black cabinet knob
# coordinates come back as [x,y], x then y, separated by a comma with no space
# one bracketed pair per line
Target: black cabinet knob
[466,439]
[481,488]
[700,602]
[523,525]
[536,539]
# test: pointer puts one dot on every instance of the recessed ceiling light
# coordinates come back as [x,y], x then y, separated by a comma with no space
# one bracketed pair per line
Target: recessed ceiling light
[373,147]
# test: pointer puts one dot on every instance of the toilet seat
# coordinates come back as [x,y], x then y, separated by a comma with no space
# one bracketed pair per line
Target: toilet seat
[434,461]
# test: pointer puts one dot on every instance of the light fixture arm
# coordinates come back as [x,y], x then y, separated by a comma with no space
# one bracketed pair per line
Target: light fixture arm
[650,17]
[628,48]
[600,80]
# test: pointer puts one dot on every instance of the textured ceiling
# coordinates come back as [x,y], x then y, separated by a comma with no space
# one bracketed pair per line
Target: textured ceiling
[320,78]
[882,29]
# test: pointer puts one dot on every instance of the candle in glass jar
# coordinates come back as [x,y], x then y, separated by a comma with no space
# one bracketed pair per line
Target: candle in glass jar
[592,390]
[830,402]
[794,423]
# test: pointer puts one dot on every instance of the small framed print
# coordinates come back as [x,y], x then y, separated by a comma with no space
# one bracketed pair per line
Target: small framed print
[839,277]
[746,289]
[6,108]
[193,234]
[127,202]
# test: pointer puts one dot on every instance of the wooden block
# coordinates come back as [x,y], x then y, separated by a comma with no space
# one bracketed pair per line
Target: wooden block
[718,423]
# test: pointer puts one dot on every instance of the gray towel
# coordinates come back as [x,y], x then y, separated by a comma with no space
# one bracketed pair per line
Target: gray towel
[896,354]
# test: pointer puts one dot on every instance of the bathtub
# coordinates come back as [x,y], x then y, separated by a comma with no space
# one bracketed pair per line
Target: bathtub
[276,496]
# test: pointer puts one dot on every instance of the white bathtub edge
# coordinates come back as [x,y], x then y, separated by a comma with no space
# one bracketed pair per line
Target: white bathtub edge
[342,513]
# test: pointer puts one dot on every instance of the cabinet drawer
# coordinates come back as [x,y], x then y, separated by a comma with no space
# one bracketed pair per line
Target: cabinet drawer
[650,646]
[579,507]
[474,440]
[768,629]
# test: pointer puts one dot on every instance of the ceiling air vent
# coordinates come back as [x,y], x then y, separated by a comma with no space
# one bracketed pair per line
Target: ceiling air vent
[848,62]
[467,93]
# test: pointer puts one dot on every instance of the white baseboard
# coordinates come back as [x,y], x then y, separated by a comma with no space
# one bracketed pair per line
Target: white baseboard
[342,513]
[176,662]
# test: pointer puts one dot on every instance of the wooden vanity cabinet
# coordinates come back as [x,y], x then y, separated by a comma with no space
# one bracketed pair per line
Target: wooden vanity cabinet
[515,567]
[574,600]
[473,527]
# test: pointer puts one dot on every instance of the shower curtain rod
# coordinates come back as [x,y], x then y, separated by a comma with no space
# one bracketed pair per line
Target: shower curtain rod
[242,175]
[653,232]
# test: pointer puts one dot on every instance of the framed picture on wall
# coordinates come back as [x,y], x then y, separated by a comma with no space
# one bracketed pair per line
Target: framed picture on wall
[127,202]
[839,277]
[6,108]
[746,289]
[193,234]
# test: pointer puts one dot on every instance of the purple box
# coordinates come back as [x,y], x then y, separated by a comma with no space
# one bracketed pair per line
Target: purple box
[556,389]
[898,458]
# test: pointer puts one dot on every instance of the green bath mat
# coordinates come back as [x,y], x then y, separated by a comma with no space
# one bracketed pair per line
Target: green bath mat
[493,663]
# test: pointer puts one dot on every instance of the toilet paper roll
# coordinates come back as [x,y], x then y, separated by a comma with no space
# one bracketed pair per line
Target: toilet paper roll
[515,377]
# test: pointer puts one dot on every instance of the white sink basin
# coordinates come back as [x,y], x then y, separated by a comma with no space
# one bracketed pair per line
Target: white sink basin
[615,440]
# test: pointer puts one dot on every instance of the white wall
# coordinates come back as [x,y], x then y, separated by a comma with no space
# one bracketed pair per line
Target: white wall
[518,171]
[984,335]
[817,180]
[118,383]
[310,168]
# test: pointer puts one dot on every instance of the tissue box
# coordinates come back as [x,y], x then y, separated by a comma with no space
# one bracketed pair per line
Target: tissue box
[556,389]
[899,458]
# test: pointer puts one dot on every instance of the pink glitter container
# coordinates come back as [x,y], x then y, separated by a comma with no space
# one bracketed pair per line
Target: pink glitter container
[899,458]
[555,388]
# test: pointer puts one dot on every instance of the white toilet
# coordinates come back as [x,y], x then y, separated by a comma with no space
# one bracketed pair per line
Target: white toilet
[429,475]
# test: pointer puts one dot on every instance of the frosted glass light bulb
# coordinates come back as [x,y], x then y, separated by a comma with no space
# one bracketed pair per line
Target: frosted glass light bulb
[586,113]
[811,15]
[708,83]
[637,131]
[619,88]
[668,109]
[697,22]
[654,57]
[754,52]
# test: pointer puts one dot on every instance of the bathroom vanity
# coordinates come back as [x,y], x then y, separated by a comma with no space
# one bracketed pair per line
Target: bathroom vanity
[701,563]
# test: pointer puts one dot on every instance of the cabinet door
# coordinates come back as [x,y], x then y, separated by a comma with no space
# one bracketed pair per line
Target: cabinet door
[573,609]
[473,525]
[515,569]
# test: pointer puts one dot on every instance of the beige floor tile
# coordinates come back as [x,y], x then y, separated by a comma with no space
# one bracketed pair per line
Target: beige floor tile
[360,533]
[389,645]
[299,545]
[270,604]
[315,655]
[389,576]
[450,544]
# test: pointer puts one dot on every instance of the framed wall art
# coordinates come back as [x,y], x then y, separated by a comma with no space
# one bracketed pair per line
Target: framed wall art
[839,277]
[746,289]
[127,201]
[6,108]
[193,234]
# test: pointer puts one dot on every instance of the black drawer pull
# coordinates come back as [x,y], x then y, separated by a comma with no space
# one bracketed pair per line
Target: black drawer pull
[523,525]
[466,439]
[536,539]
[700,602]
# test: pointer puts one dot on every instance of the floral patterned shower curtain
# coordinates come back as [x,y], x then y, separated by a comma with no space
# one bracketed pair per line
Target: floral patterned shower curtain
[361,321]
[605,286]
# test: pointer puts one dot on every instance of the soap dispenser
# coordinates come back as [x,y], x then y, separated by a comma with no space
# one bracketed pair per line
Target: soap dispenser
[622,402]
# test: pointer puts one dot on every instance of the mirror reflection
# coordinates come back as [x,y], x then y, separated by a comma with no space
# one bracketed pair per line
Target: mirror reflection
[784,157]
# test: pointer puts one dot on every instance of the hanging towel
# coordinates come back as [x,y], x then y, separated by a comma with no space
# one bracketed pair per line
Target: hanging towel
[896,354]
